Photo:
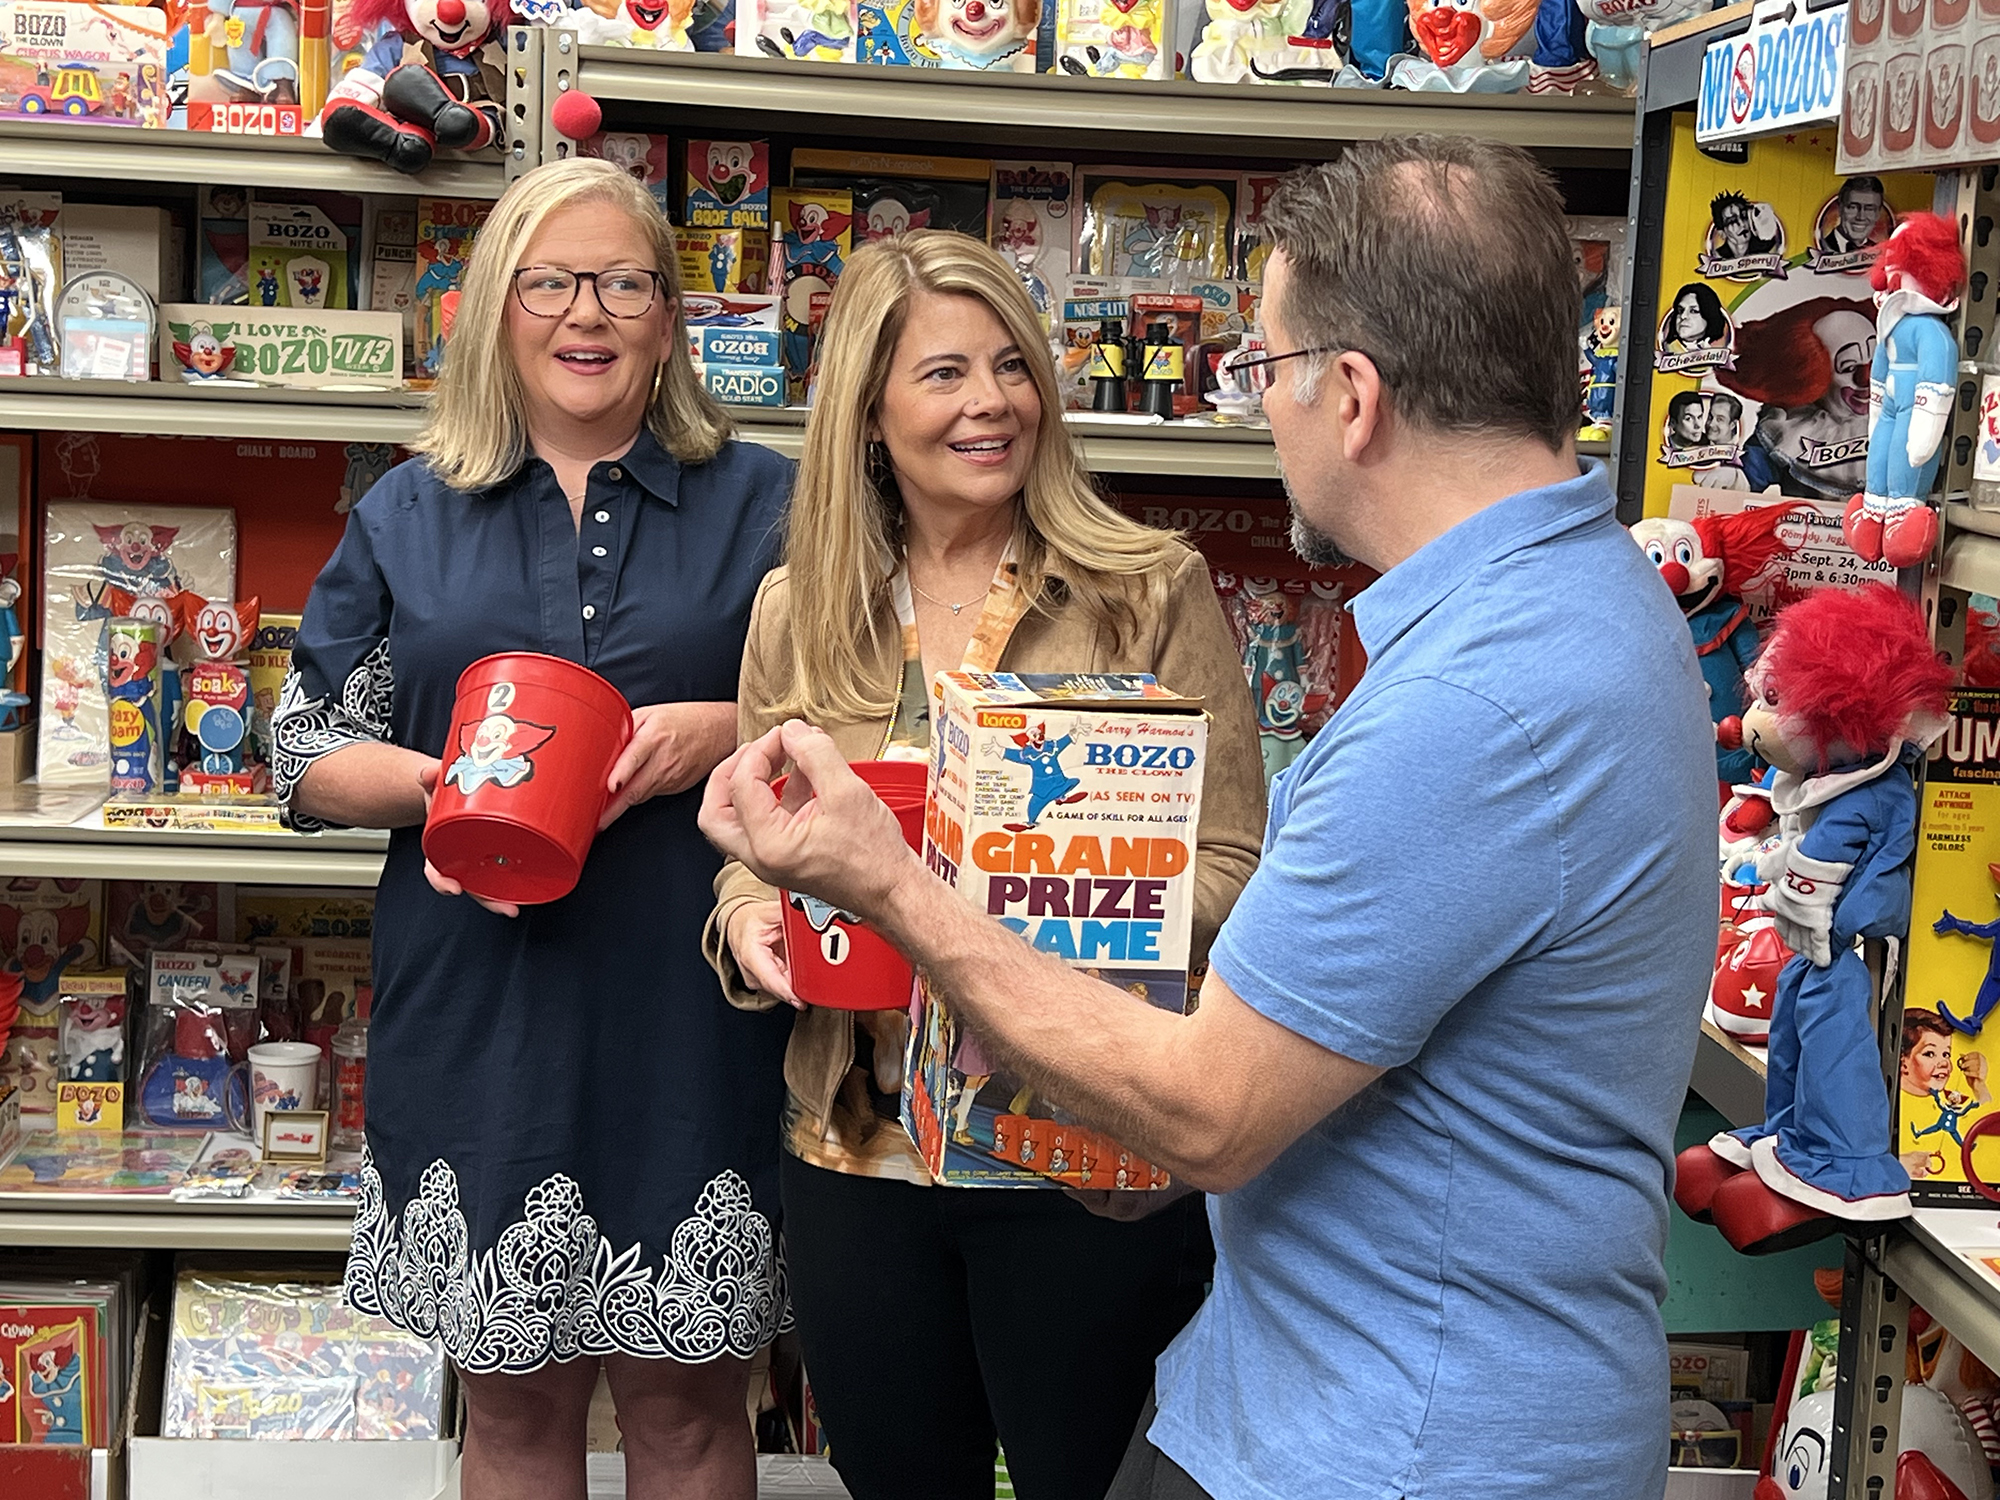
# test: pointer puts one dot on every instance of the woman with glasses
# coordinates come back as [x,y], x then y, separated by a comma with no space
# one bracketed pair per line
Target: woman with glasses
[572,1142]
[943,520]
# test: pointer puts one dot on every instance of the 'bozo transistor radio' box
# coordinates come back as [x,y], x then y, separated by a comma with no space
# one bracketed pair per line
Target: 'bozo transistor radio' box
[1065,807]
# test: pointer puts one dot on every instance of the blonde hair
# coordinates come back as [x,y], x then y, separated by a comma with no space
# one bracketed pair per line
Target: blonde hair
[845,533]
[477,434]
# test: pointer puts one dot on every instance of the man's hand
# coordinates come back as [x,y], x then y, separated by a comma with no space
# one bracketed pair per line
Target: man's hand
[673,746]
[443,884]
[829,835]
[757,938]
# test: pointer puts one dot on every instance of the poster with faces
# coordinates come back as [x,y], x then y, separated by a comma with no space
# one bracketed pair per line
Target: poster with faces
[1923,85]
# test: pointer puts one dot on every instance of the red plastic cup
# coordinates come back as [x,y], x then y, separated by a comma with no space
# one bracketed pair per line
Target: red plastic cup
[838,960]
[533,741]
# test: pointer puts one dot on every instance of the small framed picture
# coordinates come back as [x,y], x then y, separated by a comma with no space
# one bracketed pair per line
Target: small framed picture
[295,1135]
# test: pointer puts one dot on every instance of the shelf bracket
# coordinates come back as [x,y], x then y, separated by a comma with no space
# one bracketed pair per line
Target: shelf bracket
[559,61]
[526,116]
[1868,1382]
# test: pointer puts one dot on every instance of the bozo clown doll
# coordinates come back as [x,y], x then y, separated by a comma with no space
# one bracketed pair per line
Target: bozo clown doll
[1844,699]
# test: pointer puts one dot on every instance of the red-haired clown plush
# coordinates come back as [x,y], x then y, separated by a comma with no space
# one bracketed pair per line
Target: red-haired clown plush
[1707,563]
[1845,697]
[399,113]
[1917,279]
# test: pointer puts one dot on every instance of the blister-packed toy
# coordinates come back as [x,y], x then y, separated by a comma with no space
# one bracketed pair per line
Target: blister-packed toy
[1115,38]
[1029,225]
[264,1357]
[1175,228]
[1289,634]
[31,279]
[200,1023]
[811,234]
[101,561]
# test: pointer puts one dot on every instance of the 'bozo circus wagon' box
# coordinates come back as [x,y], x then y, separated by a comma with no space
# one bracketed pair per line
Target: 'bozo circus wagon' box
[1066,808]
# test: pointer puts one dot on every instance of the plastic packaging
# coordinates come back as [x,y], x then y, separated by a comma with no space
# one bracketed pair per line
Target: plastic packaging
[267,1358]
[1986,449]
[350,1076]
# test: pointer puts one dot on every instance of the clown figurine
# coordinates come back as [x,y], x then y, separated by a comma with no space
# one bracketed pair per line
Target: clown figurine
[1708,562]
[399,113]
[1846,697]
[1917,278]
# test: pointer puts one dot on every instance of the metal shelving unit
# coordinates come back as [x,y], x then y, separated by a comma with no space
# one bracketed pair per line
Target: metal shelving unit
[343,859]
[128,1222]
[1177,117]
[167,407]
[59,149]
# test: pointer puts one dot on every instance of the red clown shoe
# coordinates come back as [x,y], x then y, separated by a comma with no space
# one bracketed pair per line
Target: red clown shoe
[1746,982]
[1698,1172]
[1757,1221]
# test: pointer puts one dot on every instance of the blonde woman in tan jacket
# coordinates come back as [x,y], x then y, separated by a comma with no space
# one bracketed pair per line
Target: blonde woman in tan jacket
[941,518]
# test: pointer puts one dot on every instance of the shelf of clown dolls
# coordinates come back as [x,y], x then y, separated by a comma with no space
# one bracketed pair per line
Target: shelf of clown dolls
[1047,108]
[105,153]
[180,410]
[127,1222]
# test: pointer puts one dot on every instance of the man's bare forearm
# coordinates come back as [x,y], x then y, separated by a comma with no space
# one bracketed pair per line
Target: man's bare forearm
[1104,1055]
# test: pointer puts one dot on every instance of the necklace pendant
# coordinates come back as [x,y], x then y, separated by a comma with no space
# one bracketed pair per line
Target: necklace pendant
[956,608]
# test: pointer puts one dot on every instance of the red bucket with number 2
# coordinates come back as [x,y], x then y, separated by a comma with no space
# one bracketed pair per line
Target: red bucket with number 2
[838,960]
[533,741]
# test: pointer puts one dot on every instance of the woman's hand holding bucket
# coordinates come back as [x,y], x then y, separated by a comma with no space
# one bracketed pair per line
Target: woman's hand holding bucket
[757,938]
[829,834]
[444,885]
[674,745]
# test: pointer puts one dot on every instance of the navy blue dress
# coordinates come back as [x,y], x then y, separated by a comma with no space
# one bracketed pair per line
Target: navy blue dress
[572,1138]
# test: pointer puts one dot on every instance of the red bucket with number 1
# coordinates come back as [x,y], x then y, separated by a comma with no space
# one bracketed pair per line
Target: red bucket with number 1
[837,960]
[533,741]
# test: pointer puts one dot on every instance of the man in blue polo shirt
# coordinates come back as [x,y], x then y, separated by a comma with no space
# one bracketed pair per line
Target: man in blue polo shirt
[1433,1080]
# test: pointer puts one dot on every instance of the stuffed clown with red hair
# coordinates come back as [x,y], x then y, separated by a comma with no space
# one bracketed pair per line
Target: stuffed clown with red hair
[1707,563]
[1917,279]
[1844,701]
[401,113]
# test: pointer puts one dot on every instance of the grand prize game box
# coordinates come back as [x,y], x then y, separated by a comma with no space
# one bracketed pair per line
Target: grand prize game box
[1065,807]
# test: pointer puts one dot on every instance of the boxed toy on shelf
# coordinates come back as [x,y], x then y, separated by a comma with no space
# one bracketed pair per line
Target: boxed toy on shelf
[48,929]
[1115,38]
[31,281]
[892,193]
[445,231]
[101,562]
[811,236]
[234,222]
[266,1356]
[1028,222]
[1158,223]
[1066,807]
[64,1346]
[104,64]
[729,188]
[255,67]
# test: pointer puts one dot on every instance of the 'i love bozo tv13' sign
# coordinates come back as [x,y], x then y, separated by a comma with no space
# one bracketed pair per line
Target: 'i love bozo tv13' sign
[1783,72]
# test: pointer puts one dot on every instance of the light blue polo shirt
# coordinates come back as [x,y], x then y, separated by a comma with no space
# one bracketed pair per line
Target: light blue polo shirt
[1494,874]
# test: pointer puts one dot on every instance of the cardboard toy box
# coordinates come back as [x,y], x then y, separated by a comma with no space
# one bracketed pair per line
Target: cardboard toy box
[104,64]
[308,348]
[1066,807]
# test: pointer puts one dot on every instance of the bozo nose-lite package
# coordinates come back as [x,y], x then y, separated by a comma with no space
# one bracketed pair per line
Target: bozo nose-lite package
[1066,808]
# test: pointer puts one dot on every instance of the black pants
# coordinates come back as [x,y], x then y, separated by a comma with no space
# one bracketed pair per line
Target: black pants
[1148,1474]
[936,1318]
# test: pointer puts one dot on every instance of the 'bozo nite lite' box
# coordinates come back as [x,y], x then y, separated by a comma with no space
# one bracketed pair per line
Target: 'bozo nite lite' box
[1066,808]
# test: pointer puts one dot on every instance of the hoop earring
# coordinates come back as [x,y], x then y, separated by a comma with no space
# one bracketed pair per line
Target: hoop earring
[659,374]
[880,475]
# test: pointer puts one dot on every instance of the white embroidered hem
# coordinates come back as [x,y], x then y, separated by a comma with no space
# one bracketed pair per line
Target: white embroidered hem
[551,1288]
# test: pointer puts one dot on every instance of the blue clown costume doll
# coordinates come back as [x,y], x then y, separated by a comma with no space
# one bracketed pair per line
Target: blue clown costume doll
[1707,563]
[1847,695]
[1917,278]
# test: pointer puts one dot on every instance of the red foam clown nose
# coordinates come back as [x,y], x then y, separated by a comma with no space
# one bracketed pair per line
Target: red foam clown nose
[1675,575]
[451,12]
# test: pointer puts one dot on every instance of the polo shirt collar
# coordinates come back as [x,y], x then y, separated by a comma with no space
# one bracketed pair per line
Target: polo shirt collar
[658,471]
[647,462]
[1407,592]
